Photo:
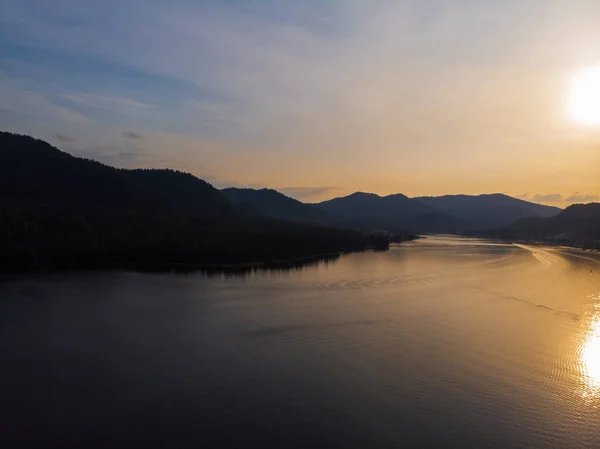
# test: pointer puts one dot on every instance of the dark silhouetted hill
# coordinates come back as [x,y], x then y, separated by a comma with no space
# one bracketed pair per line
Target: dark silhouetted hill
[58,211]
[437,223]
[492,211]
[577,225]
[33,170]
[273,204]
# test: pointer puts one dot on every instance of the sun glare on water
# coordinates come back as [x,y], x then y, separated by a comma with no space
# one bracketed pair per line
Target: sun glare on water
[590,351]
[591,357]
[584,98]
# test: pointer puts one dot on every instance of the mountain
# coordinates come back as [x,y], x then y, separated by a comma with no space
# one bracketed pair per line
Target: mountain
[34,171]
[443,214]
[577,225]
[273,204]
[362,204]
[492,211]
[392,212]
[62,212]
[436,223]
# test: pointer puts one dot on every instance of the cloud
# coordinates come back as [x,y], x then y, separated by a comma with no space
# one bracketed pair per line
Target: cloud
[132,135]
[301,193]
[63,138]
[575,197]
[548,198]
[522,196]
[30,106]
[105,102]
[582,198]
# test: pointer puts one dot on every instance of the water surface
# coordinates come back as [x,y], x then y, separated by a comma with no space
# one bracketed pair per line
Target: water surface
[441,342]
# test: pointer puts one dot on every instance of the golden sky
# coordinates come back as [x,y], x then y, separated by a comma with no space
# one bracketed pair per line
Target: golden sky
[317,99]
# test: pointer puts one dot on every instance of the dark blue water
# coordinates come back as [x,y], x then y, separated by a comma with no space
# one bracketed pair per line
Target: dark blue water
[437,343]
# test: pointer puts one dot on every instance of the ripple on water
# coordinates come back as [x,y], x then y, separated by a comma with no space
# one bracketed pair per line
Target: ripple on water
[417,347]
[373,283]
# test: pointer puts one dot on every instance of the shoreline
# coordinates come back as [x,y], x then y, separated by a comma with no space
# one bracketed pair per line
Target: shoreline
[155,266]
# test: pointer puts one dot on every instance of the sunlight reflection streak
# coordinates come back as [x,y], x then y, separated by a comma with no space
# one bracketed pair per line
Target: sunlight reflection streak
[590,353]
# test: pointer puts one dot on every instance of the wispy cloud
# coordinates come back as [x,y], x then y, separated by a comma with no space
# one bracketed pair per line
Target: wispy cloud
[582,198]
[575,197]
[63,138]
[105,102]
[32,105]
[132,135]
[547,198]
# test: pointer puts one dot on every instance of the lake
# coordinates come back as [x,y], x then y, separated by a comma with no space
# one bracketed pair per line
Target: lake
[441,342]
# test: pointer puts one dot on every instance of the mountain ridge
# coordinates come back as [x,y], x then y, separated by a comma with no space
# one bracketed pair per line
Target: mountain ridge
[274,204]
[31,172]
[455,213]
[58,211]
[578,225]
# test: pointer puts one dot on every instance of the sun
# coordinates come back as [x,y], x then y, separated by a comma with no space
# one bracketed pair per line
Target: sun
[584,99]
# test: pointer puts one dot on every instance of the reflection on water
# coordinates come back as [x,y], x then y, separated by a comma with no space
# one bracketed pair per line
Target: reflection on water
[590,354]
[441,342]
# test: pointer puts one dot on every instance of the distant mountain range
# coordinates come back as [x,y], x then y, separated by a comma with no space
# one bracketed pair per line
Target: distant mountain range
[491,215]
[56,207]
[391,212]
[488,211]
[444,214]
[32,169]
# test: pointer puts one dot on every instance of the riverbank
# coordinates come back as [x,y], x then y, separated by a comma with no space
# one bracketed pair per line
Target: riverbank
[163,266]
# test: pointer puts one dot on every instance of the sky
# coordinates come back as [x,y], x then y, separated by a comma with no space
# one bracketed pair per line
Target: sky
[317,99]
